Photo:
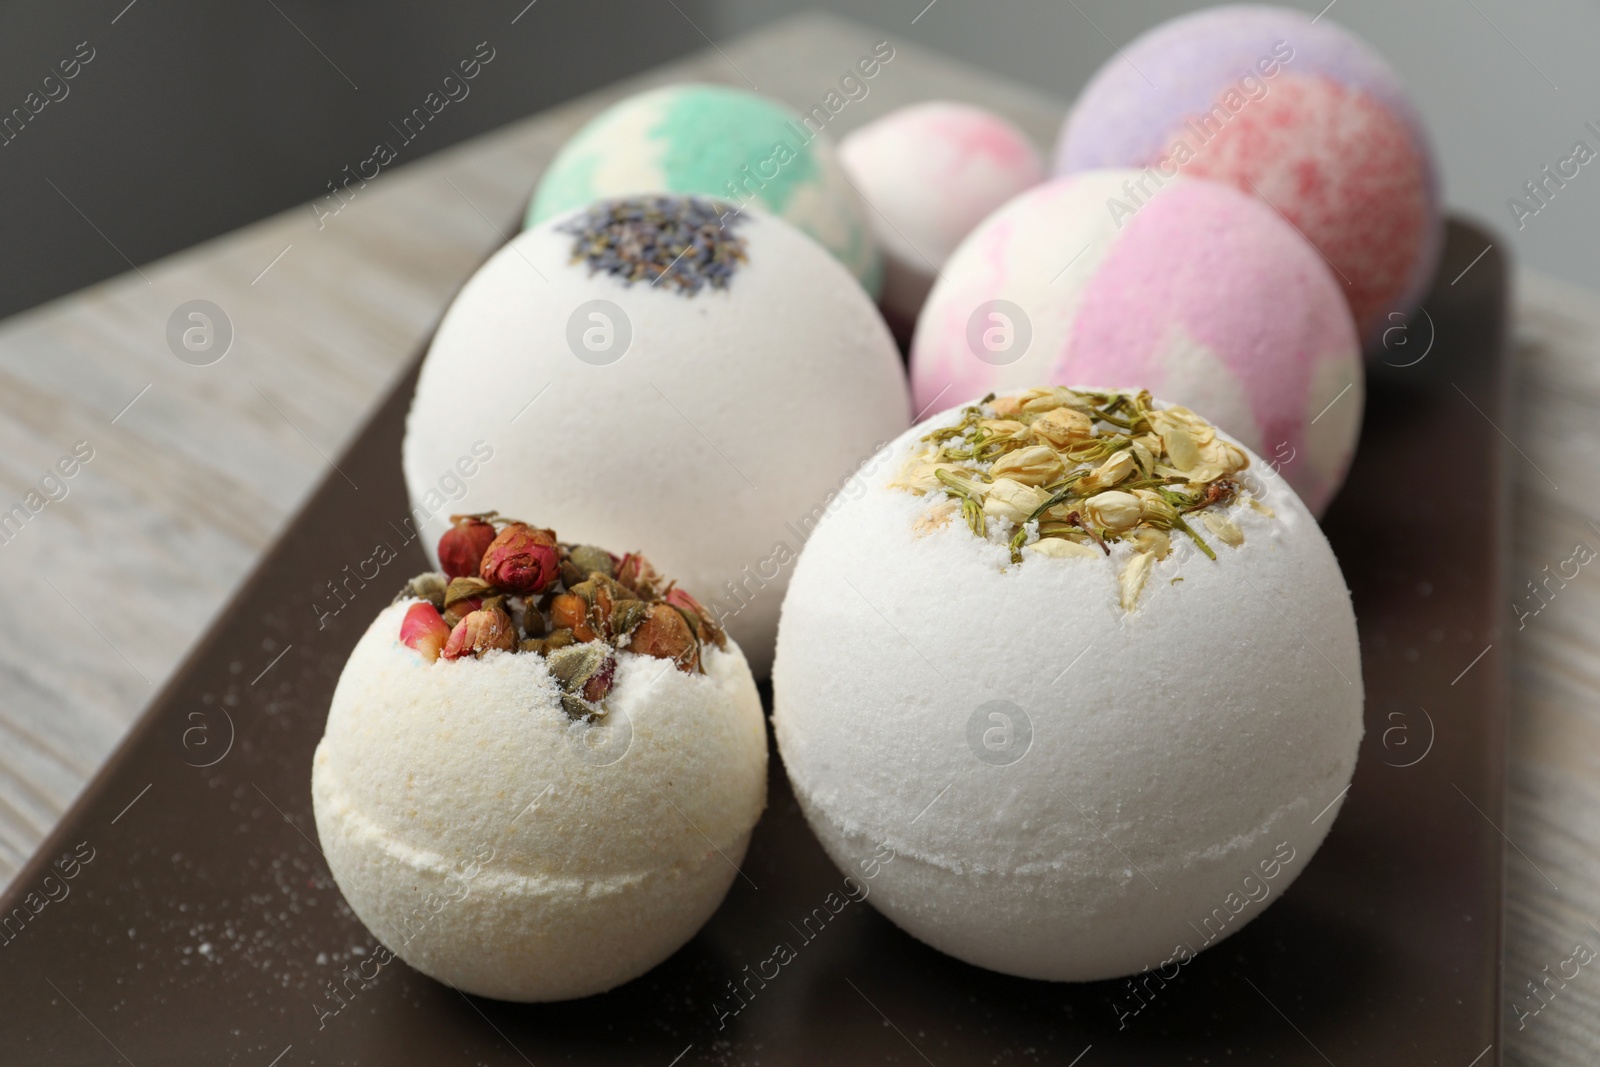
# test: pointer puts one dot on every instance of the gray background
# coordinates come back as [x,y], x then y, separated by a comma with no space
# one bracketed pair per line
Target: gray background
[197,117]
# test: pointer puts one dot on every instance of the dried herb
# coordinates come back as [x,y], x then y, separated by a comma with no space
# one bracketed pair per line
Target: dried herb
[684,243]
[575,605]
[1083,469]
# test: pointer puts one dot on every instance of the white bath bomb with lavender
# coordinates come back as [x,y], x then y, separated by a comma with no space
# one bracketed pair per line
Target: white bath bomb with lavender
[656,371]
[506,837]
[1091,748]
[716,140]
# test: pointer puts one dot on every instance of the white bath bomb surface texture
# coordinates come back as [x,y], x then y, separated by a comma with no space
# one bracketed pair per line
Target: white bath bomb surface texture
[595,871]
[708,425]
[1148,771]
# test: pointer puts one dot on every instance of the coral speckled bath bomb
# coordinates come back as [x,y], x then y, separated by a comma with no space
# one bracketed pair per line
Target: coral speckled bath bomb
[1302,114]
[933,171]
[1097,725]
[643,374]
[540,818]
[1203,295]
[712,140]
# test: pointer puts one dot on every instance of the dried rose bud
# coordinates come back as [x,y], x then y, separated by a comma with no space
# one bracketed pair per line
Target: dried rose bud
[584,560]
[636,573]
[685,602]
[462,597]
[626,614]
[600,682]
[665,635]
[429,586]
[569,611]
[480,632]
[521,559]
[534,623]
[423,630]
[462,547]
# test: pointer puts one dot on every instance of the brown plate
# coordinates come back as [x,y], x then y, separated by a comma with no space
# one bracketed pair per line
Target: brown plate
[182,913]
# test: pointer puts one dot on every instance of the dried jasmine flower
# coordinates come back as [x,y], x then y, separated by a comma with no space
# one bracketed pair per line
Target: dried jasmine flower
[1070,472]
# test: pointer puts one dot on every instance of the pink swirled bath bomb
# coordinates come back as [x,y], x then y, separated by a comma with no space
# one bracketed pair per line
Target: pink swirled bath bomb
[1296,111]
[932,172]
[1200,293]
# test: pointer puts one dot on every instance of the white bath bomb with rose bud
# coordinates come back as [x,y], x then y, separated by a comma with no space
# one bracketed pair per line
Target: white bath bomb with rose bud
[539,818]
[662,371]
[1086,667]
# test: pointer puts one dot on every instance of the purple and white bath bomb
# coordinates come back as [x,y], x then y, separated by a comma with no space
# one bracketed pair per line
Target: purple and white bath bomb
[1201,294]
[1067,791]
[1298,112]
[933,171]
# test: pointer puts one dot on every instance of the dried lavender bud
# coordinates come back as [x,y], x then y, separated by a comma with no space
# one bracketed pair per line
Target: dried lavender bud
[685,242]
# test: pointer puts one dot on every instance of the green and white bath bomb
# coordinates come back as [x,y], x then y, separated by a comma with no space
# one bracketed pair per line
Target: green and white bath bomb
[715,141]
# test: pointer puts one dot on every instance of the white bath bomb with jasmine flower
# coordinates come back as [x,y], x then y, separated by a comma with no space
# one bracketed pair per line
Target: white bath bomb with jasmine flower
[1073,784]
[709,411]
[500,846]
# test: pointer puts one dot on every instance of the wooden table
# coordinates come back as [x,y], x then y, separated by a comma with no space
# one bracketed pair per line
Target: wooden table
[193,470]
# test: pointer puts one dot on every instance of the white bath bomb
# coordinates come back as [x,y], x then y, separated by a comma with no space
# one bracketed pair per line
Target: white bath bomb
[497,845]
[1070,790]
[712,422]
[932,172]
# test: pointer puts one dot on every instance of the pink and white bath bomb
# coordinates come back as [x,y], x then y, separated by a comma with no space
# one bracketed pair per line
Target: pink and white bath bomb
[1296,111]
[932,172]
[1189,288]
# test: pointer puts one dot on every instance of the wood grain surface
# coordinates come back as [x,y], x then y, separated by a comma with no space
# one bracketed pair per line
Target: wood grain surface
[193,471]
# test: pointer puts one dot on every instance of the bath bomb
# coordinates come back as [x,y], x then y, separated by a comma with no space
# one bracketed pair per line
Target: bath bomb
[932,172]
[641,373]
[547,818]
[1088,747]
[1298,112]
[715,141]
[1202,294]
